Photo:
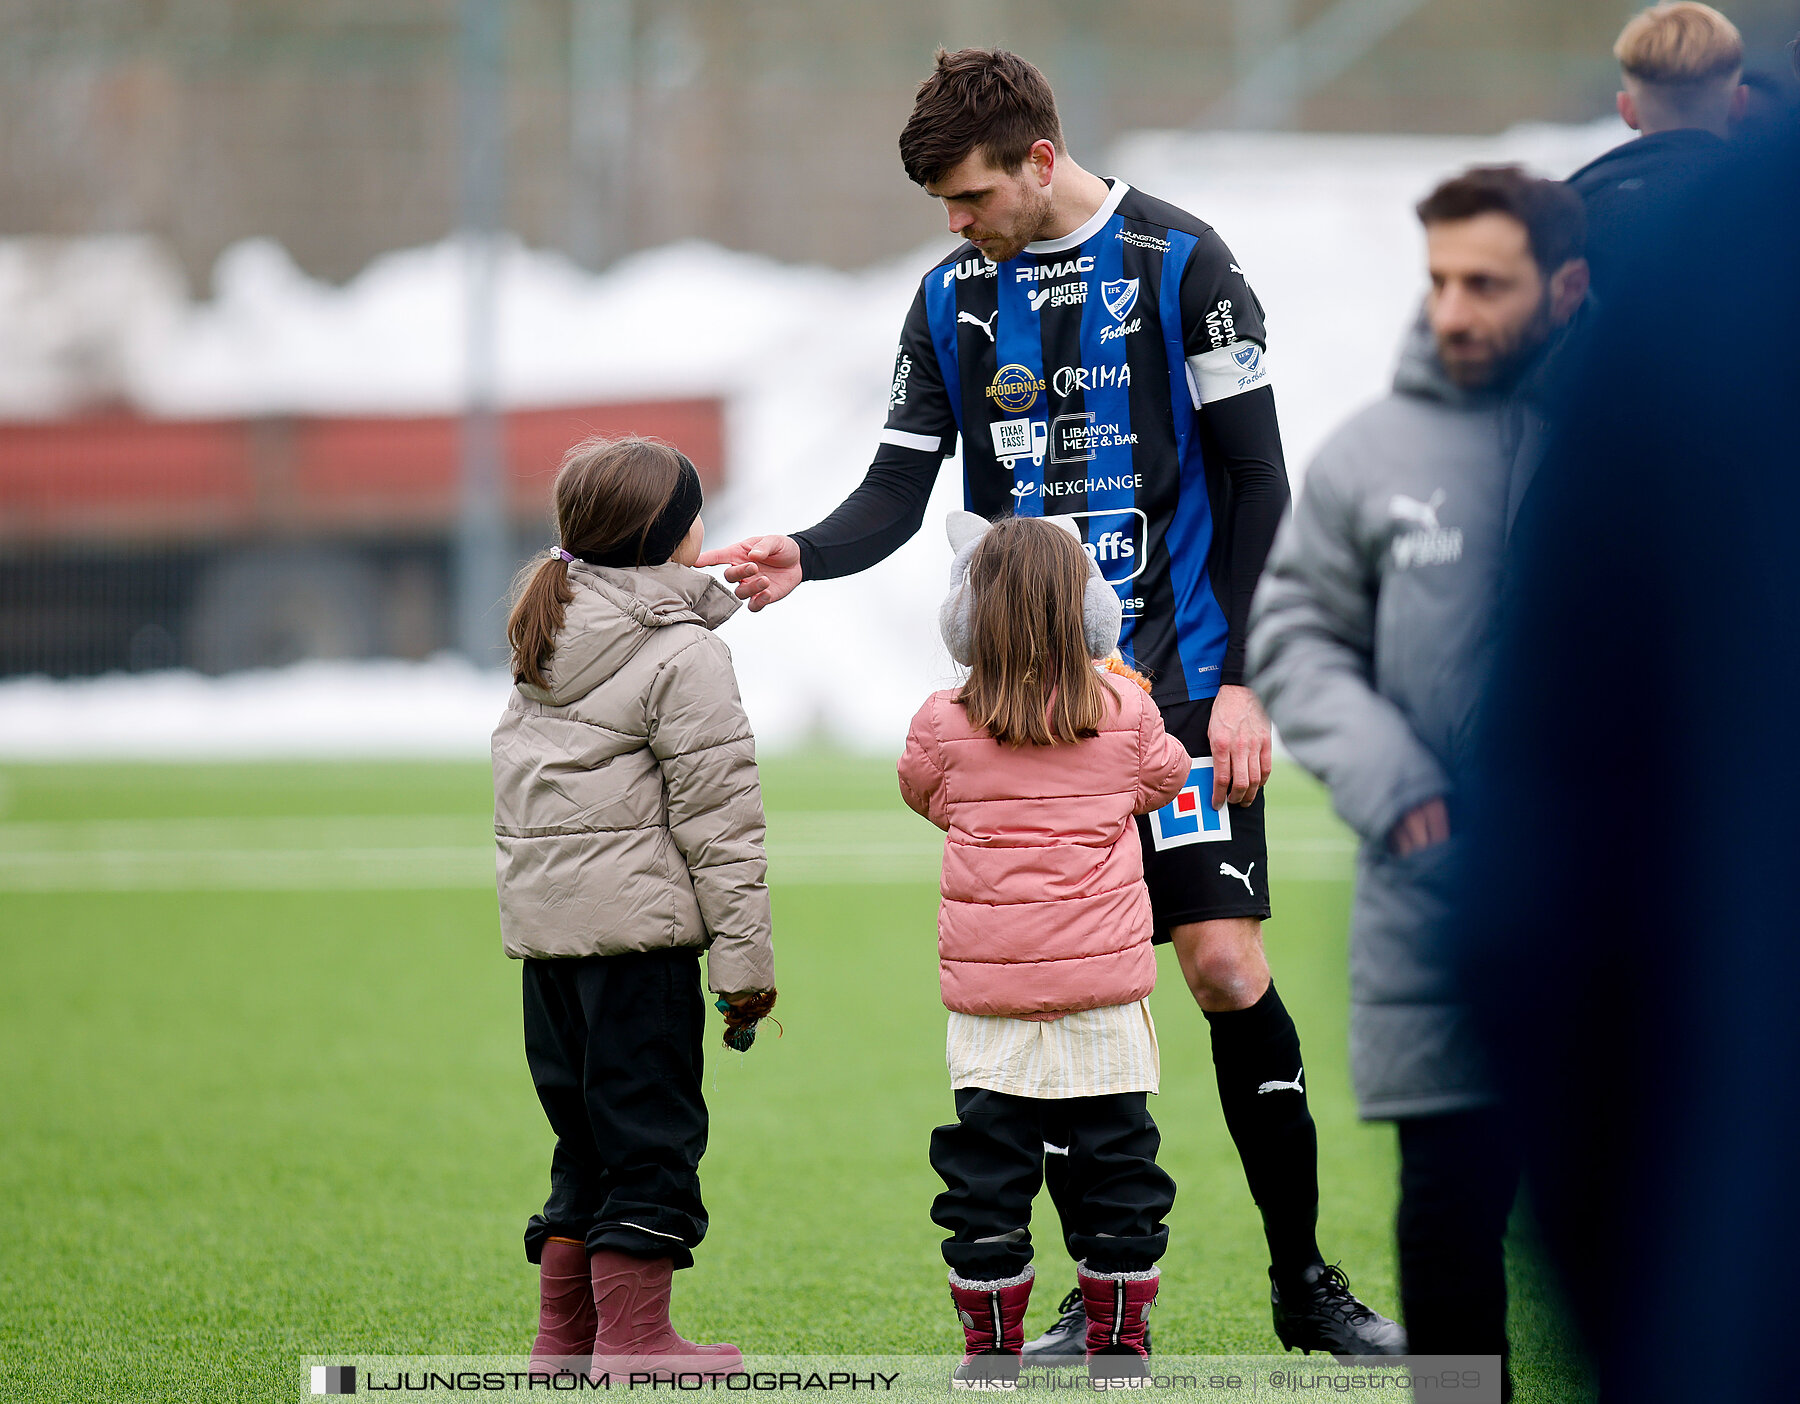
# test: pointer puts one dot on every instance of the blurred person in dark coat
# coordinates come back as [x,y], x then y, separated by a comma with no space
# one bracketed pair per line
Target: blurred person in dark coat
[1681,76]
[1635,906]
[1370,640]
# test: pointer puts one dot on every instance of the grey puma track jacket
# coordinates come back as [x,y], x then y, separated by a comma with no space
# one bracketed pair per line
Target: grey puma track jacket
[1370,641]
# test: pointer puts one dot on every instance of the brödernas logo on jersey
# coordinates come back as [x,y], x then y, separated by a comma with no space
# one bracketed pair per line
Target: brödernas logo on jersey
[1015,389]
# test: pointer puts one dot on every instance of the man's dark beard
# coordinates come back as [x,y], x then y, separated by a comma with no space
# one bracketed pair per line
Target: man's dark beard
[1510,366]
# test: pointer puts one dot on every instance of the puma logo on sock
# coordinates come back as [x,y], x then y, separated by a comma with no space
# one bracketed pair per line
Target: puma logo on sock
[1293,1086]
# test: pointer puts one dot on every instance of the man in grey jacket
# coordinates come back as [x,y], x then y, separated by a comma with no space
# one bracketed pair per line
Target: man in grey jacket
[1369,642]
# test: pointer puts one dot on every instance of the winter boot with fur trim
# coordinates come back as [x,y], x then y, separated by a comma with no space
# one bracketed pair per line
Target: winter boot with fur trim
[993,1322]
[565,1335]
[1118,1312]
[631,1306]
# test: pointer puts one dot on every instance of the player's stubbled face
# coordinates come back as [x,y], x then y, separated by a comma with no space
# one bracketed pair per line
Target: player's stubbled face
[999,212]
[1489,304]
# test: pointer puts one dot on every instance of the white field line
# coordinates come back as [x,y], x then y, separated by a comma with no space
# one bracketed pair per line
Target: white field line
[357,853]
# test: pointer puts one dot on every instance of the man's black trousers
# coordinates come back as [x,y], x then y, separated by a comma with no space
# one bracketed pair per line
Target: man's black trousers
[1458,1175]
[992,1165]
[614,1048]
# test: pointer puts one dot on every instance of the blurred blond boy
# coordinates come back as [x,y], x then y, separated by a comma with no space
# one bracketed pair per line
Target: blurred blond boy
[1682,70]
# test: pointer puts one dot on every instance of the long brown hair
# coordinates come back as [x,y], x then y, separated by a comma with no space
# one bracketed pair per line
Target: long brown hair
[1032,681]
[607,491]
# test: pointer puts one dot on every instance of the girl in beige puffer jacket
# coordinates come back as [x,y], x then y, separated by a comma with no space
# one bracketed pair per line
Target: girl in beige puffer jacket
[630,831]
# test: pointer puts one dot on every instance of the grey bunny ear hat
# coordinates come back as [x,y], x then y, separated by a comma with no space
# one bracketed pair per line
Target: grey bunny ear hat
[1100,615]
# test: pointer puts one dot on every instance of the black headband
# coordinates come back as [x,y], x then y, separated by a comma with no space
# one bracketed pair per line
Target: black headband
[658,541]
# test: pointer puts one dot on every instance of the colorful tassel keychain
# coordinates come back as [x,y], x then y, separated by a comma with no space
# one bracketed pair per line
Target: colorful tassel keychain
[741,1019]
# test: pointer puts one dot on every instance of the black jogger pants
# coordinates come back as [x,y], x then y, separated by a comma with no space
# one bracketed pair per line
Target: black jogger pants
[992,1164]
[614,1048]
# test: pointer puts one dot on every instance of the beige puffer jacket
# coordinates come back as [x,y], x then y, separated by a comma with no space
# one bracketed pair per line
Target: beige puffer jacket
[626,803]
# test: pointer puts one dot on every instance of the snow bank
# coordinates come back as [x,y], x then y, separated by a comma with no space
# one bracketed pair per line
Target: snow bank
[1322,224]
[444,708]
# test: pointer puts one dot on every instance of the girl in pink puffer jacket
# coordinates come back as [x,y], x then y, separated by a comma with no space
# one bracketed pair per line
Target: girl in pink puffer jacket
[1036,768]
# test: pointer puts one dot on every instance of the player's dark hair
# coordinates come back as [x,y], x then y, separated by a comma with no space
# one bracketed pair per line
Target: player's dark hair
[978,98]
[1032,681]
[1554,218]
[607,492]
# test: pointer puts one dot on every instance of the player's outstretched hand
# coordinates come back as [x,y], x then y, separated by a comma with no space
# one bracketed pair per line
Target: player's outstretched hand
[763,568]
[1242,745]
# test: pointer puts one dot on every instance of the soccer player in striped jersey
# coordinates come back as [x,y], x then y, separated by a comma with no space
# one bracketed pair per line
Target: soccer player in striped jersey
[1099,355]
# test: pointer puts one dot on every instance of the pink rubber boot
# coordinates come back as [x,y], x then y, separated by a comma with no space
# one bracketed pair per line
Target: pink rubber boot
[566,1327]
[993,1322]
[1118,1312]
[631,1305]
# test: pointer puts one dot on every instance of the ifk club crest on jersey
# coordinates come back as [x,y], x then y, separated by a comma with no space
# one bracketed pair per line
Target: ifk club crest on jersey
[1120,297]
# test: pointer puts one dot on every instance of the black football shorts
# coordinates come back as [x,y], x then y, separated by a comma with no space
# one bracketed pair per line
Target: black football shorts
[1202,863]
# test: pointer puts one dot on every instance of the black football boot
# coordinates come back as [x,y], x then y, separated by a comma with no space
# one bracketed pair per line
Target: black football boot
[1322,1315]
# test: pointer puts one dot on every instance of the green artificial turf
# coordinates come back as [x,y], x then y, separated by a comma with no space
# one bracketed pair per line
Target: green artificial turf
[242,1126]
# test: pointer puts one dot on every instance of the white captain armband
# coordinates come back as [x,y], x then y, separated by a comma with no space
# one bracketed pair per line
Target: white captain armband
[924,443]
[1230,370]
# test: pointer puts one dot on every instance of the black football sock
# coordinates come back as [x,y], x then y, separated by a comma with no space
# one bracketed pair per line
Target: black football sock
[1256,1056]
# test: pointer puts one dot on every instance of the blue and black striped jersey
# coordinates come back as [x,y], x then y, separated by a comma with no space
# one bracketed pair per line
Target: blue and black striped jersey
[1115,376]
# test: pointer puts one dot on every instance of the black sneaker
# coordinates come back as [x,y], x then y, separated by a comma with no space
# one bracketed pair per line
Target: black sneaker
[1066,1342]
[1328,1318]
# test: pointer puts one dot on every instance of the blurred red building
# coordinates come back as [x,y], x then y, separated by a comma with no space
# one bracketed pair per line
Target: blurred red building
[218,544]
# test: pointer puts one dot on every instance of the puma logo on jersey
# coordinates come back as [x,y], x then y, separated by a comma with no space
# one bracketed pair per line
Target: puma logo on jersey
[1293,1086]
[1421,514]
[975,321]
[1226,870]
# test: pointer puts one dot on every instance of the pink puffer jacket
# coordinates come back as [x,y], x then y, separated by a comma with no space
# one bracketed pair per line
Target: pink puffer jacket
[1044,908]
